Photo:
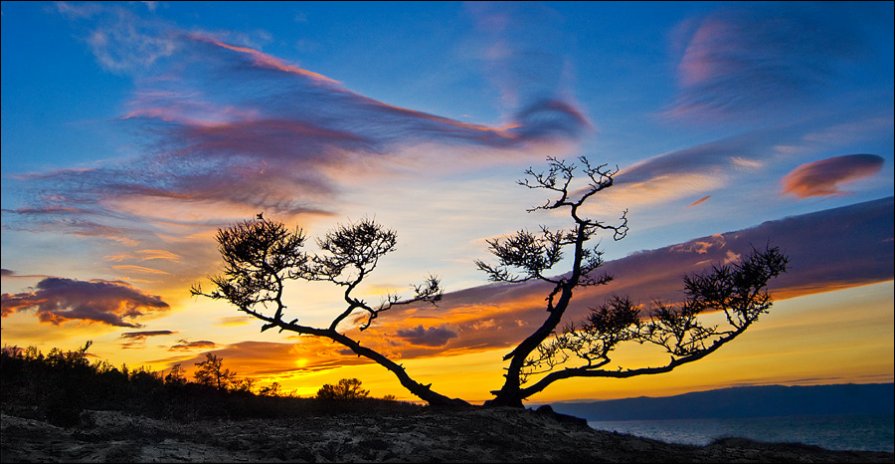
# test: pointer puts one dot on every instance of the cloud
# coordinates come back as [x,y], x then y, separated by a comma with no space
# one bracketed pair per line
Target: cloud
[700,201]
[858,251]
[738,62]
[823,177]
[224,130]
[139,269]
[712,159]
[122,41]
[142,335]
[184,345]
[522,50]
[234,321]
[57,300]
[232,129]
[433,336]
[10,274]
[164,255]
[138,339]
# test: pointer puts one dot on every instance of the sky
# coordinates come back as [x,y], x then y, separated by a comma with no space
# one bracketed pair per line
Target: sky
[132,131]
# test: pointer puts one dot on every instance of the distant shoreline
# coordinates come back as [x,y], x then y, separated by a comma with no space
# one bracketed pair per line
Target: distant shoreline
[741,402]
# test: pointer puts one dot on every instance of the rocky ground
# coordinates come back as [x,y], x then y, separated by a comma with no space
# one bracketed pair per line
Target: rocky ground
[496,435]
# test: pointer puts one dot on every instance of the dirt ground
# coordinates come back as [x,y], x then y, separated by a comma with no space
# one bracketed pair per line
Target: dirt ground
[496,435]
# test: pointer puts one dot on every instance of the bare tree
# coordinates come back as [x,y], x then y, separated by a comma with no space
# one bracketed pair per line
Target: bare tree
[739,290]
[261,255]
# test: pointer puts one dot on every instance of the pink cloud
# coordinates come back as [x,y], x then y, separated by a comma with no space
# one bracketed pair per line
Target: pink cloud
[57,300]
[824,177]
[736,62]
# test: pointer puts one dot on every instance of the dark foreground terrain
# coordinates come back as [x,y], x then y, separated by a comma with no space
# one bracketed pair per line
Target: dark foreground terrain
[497,435]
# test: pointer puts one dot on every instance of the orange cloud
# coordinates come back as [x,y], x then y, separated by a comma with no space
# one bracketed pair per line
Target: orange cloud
[822,178]
[700,201]
[184,345]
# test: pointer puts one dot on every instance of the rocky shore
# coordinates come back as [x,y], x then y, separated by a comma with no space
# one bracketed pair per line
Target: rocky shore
[494,435]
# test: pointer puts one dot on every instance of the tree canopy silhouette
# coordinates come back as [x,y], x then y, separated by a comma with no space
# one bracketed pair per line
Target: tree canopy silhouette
[260,255]
[345,390]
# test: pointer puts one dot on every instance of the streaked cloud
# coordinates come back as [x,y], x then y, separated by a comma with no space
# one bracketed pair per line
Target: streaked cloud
[57,300]
[824,177]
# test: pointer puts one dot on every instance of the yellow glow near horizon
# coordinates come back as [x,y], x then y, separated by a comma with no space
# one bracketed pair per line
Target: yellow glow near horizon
[840,336]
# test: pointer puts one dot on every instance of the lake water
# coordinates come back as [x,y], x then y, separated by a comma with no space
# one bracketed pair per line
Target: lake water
[870,433]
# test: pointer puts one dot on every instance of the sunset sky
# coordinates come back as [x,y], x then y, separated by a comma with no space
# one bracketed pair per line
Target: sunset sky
[132,131]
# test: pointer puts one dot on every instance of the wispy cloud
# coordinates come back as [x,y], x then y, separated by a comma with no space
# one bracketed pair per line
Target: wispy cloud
[139,269]
[738,62]
[283,147]
[217,150]
[164,255]
[824,177]
[523,65]
[57,300]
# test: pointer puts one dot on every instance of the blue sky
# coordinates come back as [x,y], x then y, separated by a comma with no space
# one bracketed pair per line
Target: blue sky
[132,130]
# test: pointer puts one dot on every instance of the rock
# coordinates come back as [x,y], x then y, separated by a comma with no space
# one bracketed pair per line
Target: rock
[471,435]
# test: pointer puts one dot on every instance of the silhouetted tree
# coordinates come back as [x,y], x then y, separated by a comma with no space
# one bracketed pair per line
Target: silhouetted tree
[346,389]
[273,389]
[175,376]
[212,373]
[737,289]
[261,255]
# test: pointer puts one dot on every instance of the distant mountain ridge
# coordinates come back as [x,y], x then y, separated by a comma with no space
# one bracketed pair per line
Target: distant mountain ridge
[763,401]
